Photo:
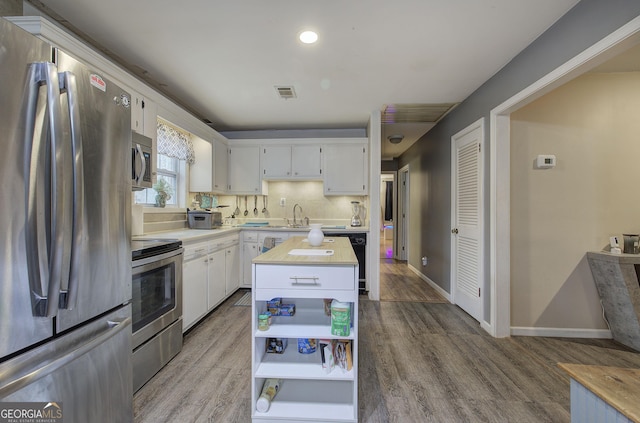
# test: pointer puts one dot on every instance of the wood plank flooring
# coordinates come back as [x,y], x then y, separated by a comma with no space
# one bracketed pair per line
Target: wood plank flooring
[419,362]
[398,283]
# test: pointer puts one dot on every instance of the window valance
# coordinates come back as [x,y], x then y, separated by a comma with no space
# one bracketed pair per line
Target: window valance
[175,143]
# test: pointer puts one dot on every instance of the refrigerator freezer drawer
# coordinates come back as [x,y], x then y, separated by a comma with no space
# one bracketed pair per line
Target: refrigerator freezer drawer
[87,371]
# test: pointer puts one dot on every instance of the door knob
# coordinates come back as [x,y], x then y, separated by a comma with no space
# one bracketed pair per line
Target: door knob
[454,231]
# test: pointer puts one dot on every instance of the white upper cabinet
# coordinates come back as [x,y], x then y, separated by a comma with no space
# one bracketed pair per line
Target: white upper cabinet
[220,168]
[209,172]
[346,168]
[244,170]
[291,161]
[276,161]
[144,121]
[306,161]
[200,172]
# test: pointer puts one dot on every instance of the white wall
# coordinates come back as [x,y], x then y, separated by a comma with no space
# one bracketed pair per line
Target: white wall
[591,124]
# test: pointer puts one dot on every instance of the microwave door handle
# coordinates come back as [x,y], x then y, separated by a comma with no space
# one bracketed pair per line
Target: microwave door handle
[44,264]
[68,298]
[143,164]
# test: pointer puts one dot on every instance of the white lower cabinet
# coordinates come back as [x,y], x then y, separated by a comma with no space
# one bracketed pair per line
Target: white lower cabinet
[195,270]
[307,392]
[216,289]
[232,269]
[210,274]
[250,251]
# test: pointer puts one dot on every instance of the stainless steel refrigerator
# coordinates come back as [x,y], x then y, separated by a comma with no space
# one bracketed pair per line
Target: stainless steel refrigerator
[65,259]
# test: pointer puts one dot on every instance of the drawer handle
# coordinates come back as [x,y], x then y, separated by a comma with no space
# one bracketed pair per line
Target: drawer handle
[297,280]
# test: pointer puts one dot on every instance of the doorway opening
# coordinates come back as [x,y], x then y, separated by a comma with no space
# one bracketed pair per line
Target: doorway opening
[499,324]
[388,213]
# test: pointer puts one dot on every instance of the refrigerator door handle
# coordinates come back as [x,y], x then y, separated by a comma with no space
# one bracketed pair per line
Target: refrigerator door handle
[26,373]
[44,261]
[143,164]
[69,297]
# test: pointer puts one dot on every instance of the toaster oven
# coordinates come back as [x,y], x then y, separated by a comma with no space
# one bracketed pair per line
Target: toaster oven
[204,219]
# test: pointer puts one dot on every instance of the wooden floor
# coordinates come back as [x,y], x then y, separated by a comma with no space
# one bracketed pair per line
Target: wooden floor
[419,362]
[398,283]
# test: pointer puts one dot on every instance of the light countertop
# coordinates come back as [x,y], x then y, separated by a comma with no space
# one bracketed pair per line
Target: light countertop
[618,387]
[341,247]
[193,235]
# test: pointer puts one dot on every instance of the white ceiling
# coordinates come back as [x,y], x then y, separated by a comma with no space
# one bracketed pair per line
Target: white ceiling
[222,59]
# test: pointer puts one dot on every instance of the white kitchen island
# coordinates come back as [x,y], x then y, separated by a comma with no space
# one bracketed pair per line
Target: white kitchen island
[308,393]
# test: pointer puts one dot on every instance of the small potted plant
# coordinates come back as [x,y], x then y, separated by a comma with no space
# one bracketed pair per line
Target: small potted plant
[163,192]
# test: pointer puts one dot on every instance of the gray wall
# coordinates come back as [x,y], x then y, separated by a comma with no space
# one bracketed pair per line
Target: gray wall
[429,158]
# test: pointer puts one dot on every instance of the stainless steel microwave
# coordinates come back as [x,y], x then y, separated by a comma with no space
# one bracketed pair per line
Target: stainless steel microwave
[141,154]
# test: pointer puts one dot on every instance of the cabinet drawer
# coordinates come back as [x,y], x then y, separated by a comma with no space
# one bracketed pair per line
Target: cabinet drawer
[305,277]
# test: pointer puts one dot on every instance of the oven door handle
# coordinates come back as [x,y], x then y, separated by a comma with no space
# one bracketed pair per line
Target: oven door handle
[157,258]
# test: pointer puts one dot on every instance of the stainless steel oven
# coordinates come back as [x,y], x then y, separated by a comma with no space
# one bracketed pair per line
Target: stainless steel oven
[156,302]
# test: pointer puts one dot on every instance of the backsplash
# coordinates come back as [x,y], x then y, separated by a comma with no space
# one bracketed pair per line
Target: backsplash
[308,194]
[165,220]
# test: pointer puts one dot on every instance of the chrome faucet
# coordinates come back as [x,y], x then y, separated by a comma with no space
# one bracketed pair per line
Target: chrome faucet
[295,222]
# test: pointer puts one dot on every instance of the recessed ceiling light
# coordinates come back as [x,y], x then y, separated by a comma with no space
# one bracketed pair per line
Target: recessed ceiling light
[308,37]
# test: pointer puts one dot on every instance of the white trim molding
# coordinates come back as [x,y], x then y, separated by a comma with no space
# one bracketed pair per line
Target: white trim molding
[562,332]
[499,170]
[431,283]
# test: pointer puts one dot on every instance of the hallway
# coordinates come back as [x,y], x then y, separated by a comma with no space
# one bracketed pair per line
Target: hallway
[399,283]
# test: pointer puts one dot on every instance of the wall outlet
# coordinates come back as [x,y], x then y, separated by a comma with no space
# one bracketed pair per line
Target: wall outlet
[283,202]
[425,261]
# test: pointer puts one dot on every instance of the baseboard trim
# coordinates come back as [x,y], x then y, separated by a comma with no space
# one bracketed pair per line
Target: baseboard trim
[434,285]
[561,332]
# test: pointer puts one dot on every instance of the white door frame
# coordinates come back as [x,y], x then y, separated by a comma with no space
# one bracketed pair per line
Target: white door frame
[403,210]
[477,125]
[499,164]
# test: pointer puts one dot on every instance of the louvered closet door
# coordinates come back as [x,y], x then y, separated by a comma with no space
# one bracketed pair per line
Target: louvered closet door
[467,220]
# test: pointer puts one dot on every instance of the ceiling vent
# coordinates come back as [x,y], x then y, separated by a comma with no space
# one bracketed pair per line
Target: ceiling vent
[416,113]
[286,92]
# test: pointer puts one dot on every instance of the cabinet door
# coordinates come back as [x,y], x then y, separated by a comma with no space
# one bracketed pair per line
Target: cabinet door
[279,237]
[249,252]
[200,173]
[137,113]
[220,168]
[232,269]
[276,161]
[306,161]
[217,284]
[244,170]
[345,169]
[194,287]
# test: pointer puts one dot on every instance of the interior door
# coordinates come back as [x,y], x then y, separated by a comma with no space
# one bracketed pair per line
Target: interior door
[467,219]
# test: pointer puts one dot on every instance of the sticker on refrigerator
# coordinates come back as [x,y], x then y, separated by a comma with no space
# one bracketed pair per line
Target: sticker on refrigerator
[98,82]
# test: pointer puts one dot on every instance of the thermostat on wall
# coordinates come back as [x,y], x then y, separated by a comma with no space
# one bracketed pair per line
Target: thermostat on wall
[546,161]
